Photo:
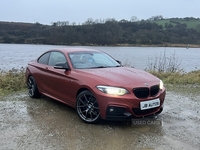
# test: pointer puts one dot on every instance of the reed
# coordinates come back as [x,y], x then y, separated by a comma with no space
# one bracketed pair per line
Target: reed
[164,63]
[168,69]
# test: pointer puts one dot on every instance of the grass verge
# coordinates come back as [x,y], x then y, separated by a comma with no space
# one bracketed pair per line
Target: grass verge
[12,80]
[179,78]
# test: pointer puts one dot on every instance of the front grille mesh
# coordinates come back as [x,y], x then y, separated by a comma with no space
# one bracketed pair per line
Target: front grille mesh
[145,92]
[154,90]
[141,92]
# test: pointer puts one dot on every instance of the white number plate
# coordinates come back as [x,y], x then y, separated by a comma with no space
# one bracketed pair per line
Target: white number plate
[149,104]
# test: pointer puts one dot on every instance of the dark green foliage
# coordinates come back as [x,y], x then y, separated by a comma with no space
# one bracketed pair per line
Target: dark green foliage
[110,32]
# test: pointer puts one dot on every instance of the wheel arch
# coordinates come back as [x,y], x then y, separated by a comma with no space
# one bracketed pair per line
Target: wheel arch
[81,90]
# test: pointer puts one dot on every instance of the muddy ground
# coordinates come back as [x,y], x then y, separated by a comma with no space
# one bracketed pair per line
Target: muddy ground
[37,124]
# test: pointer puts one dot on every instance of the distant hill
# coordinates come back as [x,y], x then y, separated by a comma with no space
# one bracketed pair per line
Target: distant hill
[190,22]
[154,31]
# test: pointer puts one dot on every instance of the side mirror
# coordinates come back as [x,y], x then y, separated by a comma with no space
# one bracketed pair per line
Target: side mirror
[119,62]
[62,66]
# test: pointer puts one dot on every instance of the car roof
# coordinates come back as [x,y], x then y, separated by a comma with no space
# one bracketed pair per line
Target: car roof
[68,50]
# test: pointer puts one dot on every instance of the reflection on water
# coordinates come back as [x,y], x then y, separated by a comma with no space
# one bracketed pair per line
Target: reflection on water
[18,55]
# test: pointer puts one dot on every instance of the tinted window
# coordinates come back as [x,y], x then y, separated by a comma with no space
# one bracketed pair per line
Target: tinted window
[44,58]
[56,57]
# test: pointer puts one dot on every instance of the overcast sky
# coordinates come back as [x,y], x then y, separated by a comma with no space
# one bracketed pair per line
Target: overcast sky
[47,11]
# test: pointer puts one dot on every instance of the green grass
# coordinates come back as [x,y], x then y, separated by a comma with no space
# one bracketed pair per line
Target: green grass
[192,23]
[163,22]
[179,78]
[12,80]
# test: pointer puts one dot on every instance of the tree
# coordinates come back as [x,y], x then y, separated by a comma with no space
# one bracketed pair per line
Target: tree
[89,21]
[198,28]
[154,18]
[134,19]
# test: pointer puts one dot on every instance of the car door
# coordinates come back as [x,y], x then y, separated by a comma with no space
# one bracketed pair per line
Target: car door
[57,81]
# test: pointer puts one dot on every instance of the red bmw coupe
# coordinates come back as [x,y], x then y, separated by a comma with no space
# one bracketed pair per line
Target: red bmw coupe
[94,83]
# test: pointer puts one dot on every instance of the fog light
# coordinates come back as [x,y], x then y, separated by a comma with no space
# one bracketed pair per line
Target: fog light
[111,109]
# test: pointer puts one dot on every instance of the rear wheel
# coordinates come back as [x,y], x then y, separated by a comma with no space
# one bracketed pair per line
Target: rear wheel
[87,107]
[32,88]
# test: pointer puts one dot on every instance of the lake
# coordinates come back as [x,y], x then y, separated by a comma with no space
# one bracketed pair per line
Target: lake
[18,55]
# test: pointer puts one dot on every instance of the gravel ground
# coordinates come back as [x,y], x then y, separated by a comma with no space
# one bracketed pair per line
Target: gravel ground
[44,123]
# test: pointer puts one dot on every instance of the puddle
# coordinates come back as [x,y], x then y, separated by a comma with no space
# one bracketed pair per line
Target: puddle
[44,123]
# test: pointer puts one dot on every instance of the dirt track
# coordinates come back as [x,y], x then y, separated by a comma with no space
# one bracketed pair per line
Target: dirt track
[43,123]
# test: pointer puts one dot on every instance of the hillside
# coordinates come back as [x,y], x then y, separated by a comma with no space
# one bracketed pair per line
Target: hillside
[193,23]
[161,32]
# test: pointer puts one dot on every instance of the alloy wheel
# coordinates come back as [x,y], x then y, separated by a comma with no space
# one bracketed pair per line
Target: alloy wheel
[87,107]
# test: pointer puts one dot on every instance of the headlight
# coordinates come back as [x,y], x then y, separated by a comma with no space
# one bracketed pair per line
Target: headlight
[161,84]
[112,90]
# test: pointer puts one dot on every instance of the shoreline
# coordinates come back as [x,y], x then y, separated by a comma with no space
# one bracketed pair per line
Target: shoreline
[187,46]
[162,45]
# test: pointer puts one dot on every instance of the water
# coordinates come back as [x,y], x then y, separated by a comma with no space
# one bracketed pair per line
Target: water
[18,55]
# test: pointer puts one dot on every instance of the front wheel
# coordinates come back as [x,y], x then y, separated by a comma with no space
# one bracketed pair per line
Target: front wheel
[32,88]
[87,107]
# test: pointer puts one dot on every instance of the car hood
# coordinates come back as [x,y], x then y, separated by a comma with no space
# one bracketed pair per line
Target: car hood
[122,76]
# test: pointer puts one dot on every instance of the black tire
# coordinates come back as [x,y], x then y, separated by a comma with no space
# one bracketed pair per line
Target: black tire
[87,107]
[32,88]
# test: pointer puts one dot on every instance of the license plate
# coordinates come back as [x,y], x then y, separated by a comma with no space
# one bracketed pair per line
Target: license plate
[149,104]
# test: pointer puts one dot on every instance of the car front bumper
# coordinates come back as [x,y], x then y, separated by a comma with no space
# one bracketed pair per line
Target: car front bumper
[120,108]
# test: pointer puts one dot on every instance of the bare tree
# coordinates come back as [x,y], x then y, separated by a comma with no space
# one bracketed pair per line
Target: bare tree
[134,19]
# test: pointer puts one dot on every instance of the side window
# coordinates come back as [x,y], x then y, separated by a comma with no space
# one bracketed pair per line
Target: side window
[44,58]
[56,57]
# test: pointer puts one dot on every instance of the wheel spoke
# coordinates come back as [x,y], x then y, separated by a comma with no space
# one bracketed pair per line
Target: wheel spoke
[91,115]
[30,83]
[94,113]
[82,101]
[94,102]
[82,112]
[85,97]
[31,92]
[81,106]
[86,113]
[96,108]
